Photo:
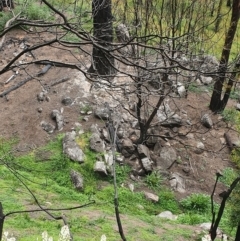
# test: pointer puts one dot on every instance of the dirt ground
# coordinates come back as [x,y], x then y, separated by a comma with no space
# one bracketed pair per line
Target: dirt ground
[20,115]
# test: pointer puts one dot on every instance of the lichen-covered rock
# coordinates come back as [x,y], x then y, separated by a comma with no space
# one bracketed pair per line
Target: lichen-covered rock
[167,215]
[56,115]
[147,164]
[167,156]
[77,180]
[177,182]
[67,100]
[127,147]
[48,127]
[102,112]
[167,117]
[96,143]
[151,197]
[143,151]
[207,121]
[71,149]
[100,167]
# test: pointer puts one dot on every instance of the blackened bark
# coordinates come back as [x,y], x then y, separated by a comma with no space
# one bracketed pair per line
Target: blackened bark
[215,224]
[237,237]
[102,59]
[2,217]
[217,104]
[6,4]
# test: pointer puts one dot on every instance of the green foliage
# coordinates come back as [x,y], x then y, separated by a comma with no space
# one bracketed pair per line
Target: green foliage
[4,17]
[199,203]
[35,12]
[235,94]
[154,180]
[235,157]
[192,218]
[122,172]
[194,87]
[231,115]
[168,201]
[229,174]
[85,108]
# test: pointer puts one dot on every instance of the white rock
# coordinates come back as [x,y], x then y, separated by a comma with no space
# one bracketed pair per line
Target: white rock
[167,215]
[151,197]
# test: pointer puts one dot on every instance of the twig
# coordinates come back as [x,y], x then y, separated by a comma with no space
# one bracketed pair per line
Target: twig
[116,204]
[42,72]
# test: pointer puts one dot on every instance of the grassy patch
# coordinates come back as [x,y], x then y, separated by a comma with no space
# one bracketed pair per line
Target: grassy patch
[46,173]
[199,203]
[231,115]
[228,175]
[154,180]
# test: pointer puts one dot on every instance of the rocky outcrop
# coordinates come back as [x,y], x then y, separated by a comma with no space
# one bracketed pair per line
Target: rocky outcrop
[71,149]
[96,143]
[167,117]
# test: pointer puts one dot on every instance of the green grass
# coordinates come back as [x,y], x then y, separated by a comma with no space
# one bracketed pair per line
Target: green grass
[231,115]
[48,178]
[154,180]
[228,175]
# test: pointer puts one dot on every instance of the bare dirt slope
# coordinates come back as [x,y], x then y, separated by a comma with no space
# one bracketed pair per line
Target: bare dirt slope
[20,113]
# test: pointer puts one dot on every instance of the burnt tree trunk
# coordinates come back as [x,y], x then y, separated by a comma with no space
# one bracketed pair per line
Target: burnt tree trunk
[217,104]
[102,58]
[237,237]
[6,4]
[219,16]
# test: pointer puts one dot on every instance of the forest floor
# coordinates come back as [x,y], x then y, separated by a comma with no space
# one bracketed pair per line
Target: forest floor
[21,113]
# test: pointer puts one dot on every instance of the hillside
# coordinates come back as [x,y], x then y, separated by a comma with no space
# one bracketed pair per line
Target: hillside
[22,114]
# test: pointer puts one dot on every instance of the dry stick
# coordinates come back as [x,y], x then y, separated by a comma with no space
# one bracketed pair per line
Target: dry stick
[64,79]
[42,72]
[116,204]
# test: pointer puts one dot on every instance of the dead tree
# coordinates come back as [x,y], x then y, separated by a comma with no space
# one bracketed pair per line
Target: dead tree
[9,4]
[102,58]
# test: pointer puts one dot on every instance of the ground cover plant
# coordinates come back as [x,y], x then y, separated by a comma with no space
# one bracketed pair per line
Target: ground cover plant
[47,169]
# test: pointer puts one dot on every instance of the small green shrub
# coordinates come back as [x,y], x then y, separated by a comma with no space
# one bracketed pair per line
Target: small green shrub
[228,175]
[231,115]
[235,95]
[168,201]
[154,180]
[192,218]
[235,156]
[4,17]
[122,173]
[196,203]
[194,87]
[37,12]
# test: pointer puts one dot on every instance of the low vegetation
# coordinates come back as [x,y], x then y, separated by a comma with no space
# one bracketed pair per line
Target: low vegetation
[46,170]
